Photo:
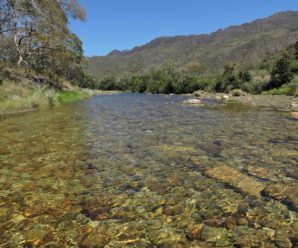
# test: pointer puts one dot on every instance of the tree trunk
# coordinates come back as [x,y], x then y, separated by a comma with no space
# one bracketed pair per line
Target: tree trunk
[20,56]
[20,60]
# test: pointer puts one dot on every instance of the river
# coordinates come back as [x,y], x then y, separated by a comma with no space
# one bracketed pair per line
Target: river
[136,170]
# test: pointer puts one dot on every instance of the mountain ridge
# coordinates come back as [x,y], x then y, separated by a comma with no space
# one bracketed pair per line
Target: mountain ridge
[253,41]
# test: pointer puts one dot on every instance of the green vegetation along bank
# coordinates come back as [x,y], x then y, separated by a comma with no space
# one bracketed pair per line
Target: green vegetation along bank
[41,60]
[23,93]
[277,75]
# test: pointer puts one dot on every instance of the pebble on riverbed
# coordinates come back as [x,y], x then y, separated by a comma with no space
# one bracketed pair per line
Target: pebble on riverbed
[194,181]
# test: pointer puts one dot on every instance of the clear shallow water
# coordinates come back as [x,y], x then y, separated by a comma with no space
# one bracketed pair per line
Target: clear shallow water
[136,170]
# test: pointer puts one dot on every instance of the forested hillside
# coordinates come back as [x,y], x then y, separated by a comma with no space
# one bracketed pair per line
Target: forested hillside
[248,45]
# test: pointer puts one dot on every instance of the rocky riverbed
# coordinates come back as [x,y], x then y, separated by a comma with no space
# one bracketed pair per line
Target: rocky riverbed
[132,170]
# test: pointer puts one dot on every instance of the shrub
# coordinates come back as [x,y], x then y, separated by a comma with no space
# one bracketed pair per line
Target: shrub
[237,92]
[254,87]
[288,89]
[281,73]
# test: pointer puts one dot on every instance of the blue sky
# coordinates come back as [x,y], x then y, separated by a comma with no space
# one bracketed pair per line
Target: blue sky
[124,24]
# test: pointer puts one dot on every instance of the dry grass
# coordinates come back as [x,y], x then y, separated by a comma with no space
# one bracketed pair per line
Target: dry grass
[17,97]
[26,96]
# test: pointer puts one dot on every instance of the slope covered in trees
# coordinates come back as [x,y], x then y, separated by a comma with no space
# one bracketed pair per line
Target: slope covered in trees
[277,74]
[247,45]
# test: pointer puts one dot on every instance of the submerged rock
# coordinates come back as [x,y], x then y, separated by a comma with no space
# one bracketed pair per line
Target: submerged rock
[287,193]
[173,210]
[217,235]
[235,178]
[262,172]
[3,212]
[167,237]
[195,231]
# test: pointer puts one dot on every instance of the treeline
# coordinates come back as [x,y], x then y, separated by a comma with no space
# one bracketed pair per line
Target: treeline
[34,36]
[281,71]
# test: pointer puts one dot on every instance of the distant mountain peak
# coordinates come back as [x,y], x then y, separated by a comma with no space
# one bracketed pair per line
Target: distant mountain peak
[246,44]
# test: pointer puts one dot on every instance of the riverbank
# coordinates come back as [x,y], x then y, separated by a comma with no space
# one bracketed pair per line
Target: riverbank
[29,97]
[26,96]
[23,90]
[276,102]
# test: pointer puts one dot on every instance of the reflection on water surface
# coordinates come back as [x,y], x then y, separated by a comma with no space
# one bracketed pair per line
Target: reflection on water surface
[132,170]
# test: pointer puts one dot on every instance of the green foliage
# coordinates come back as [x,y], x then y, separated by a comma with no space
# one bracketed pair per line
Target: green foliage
[70,96]
[244,76]
[108,83]
[294,66]
[231,79]
[34,35]
[165,81]
[254,87]
[171,79]
[281,73]
[286,89]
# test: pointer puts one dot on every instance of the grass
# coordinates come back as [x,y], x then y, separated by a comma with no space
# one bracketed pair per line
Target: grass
[25,96]
[71,96]
[17,97]
[290,89]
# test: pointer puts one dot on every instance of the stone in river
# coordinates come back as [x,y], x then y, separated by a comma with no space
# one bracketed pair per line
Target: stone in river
[173,210]
[195,231]
[294,115]
[193,101]
[225,97]
[235,178]
[287,193]
[212,234]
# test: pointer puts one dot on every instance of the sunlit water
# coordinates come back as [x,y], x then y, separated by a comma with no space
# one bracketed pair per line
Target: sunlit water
[135,170]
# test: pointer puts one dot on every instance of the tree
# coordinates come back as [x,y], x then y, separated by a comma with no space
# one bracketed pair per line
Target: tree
[72,8]
[6,15]
[244,76]
[281,73]
[34,33]
[32,25]
[296,50]
[194,68]
[37,27]
[229,79]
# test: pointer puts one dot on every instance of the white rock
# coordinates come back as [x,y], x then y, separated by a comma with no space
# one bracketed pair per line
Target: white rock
[193,101]
[225,97]
[294,115]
